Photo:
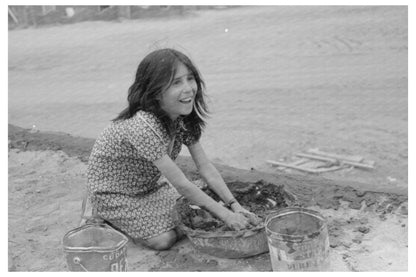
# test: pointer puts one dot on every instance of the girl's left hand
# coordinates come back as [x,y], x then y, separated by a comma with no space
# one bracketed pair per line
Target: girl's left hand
[253,218]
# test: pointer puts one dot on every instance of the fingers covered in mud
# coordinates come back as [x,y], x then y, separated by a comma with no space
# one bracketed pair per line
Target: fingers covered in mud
[237,221]
[253,219]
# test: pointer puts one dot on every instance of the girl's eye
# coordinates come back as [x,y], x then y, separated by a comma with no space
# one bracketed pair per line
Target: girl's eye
[191,78]
[176,82]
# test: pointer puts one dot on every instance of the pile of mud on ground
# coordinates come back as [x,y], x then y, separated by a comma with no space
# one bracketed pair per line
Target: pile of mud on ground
[259,198]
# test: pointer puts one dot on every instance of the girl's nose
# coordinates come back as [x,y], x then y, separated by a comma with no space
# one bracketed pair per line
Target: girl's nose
[188,87]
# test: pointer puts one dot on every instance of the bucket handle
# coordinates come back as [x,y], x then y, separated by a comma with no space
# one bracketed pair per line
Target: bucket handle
[93,219]
[77,260]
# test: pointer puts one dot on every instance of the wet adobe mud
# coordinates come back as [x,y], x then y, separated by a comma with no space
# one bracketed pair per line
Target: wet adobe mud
[260,198]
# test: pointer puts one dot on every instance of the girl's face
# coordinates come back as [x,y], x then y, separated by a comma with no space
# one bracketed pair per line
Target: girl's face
[178,99]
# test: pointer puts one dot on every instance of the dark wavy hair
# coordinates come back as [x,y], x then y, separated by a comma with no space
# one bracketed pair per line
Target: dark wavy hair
[154,75]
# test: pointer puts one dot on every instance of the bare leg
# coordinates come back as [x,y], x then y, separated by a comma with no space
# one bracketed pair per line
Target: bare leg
[161,242]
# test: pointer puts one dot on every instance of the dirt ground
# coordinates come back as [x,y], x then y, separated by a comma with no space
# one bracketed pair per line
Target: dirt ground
[280,80]
[368,229]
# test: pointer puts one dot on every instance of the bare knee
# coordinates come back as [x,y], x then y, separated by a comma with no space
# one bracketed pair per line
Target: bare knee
[163,241]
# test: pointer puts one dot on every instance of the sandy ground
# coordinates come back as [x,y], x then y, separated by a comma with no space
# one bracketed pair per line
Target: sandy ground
[368,230]
[280,80]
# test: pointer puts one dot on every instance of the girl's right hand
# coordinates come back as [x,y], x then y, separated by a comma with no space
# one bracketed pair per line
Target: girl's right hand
[236,221]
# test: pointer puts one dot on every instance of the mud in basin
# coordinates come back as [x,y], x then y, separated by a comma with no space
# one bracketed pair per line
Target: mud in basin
[210,235]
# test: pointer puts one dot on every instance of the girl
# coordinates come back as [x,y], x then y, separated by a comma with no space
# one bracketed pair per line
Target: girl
[166,108]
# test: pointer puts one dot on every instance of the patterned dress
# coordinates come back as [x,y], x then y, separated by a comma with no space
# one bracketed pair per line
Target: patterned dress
[124,186]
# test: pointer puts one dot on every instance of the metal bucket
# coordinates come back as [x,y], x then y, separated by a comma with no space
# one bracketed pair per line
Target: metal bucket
[298,240]
[94,247]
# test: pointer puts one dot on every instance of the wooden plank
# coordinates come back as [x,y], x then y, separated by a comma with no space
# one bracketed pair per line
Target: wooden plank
[361,165]
[327,169]
[355,159]
[300,161]
[347,160]
[316,157]
[290,166]
[309,170]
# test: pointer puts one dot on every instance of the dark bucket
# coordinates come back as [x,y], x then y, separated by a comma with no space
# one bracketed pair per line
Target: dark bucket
[298,240]
[95,247]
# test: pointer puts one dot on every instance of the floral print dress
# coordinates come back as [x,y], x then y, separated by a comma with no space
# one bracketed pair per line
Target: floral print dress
[124,186]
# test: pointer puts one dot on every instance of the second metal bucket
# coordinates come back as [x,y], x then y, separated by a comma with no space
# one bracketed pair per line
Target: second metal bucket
[298,240]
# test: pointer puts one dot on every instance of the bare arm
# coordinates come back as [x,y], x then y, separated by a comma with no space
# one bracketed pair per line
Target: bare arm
[209,173]
[186,188]
[214,180]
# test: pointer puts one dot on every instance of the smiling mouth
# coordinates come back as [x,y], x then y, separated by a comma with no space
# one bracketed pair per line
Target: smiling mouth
[186,100]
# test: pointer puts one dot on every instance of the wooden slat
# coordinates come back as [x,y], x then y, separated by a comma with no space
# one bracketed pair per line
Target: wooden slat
[316,157]
[309,170]
[347,160]
[362,165]
[355,159]
[300,161]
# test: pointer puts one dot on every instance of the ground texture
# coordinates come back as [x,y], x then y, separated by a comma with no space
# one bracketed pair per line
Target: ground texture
[368,228]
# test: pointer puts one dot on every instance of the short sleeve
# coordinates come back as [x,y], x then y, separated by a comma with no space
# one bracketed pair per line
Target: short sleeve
[145,139]
[191,136]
